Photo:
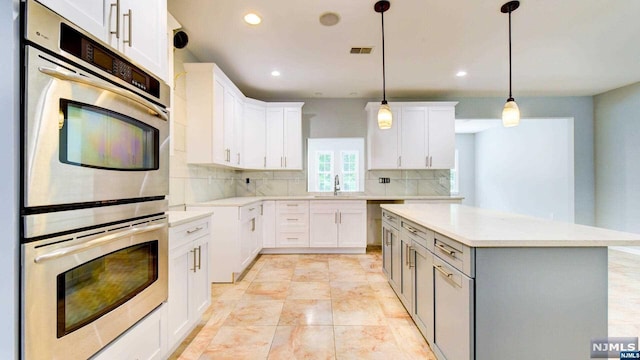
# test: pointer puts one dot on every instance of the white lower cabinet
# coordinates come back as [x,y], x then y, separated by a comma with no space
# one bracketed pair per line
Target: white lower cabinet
[189,288]
[236,239]
[268,224]
[292,223]
[338,223]
[146,340]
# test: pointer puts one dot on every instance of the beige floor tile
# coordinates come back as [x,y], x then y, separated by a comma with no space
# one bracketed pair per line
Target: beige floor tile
[255,312]
[303,274]
[316,290]
[411,342]
[357,311]
[274,274]
[303,342]
[366,342]
[240,343]
[268,290]
[351,289]
[306,312]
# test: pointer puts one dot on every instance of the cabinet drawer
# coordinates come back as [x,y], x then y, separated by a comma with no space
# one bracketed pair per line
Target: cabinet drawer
[454,253]
[294,206]
[249,211]
[292,239]
[417,233]
[185,233]
[293,222]
[390,218]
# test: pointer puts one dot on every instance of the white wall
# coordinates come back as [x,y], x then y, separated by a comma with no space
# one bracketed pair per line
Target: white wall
[617,147]
[528,169]
[466,146]
[9,190]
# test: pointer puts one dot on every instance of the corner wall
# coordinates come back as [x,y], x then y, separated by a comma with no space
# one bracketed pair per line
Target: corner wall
[617,159]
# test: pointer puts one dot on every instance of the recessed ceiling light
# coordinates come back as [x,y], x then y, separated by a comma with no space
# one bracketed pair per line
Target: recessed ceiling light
[461,73]
[329,19]
[275,73]
[252,19]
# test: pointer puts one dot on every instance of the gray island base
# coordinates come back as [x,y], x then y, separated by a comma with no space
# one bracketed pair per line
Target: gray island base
[487,285]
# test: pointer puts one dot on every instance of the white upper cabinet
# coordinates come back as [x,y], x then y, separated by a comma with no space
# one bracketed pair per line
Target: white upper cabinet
[255,138]
[226,128]
[138,29]
[213,109]
[90,15]
[422,136]
[284,136]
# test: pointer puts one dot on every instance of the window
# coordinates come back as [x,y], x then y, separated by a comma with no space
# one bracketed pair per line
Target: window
[343,157]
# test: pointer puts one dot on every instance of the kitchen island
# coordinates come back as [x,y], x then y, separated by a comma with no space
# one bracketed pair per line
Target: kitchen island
[487,285]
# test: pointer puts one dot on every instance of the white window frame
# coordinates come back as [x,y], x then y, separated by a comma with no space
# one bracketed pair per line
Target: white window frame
[337,146]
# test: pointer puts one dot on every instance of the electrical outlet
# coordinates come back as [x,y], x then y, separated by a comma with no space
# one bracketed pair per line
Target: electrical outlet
[247,180]
[384,180]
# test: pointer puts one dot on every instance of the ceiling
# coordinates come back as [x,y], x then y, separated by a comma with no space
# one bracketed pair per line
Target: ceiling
[560,47]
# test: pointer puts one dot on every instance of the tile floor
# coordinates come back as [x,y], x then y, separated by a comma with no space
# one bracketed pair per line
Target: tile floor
[341,307]
[307,307]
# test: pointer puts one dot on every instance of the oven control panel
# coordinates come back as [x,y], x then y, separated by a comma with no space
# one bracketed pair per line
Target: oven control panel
[99,56]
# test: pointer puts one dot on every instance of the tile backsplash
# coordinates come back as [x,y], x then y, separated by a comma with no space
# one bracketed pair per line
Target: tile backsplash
[403,182]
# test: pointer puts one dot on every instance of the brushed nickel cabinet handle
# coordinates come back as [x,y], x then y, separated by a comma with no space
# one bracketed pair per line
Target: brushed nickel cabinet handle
[195,229]
[430,161]
[199,257]
[194,259]
[446,250]
[117,32]
[129,15]
[442,271]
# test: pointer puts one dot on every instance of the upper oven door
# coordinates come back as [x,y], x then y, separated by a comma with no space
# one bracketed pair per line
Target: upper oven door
[88,140]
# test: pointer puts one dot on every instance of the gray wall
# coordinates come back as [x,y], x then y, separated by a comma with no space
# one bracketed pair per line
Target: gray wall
[617,148]
[9,242]
[465,144]
[580,108]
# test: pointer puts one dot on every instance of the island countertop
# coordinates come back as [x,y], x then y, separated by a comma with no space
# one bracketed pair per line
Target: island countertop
[477,227]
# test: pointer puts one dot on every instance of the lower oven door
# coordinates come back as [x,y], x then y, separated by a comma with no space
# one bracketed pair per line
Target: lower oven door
[83,290]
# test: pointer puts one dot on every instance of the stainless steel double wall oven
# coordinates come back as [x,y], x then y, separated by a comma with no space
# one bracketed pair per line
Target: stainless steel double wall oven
[95,176]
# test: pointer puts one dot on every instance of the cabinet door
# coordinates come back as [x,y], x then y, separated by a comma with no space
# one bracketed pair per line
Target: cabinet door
[292,143]
[323,226]
[413,153]
[396,259]
[406,277]
[423,291]
[269,224]
[383,144]
[228,130]
[218,145]
[90,15]
[257,234]
[238,132]
[255,129]
[352,227]
[441,140]
[386,250]
[200,285]
[181,266]
[453,311]
[247,230]
[144,33]
[275,138]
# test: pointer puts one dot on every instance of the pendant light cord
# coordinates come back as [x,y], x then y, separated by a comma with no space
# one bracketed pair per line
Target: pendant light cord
[384,95]
[510,95]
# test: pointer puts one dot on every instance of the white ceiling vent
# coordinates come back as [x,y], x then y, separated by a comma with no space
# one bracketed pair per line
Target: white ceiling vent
[361,50]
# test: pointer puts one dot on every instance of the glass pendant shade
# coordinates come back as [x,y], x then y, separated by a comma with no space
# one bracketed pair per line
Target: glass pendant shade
[385,117]
[510,114]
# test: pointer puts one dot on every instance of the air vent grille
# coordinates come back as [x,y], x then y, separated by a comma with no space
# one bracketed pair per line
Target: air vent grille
[361,50]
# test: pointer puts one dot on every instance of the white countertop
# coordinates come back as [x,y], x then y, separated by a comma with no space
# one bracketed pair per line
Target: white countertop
[242,201]
[478,227]
[182,217]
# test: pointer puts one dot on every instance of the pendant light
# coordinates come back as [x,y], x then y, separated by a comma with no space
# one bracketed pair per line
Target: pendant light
[385,118]
[510,113]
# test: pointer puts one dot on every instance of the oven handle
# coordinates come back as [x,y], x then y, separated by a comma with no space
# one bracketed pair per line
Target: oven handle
[155,110]
[95,242]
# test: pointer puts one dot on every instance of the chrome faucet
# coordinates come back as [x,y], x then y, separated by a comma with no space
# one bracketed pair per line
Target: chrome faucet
[336,185]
